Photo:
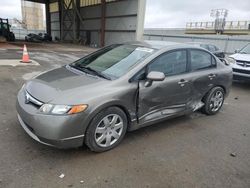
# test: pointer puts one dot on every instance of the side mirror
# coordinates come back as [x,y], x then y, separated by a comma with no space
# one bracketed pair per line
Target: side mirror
[236,51]
[154,76]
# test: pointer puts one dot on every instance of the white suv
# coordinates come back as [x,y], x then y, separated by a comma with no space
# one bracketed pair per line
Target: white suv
[240,62]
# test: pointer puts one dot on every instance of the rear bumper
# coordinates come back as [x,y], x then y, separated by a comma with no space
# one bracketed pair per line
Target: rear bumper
[57,131]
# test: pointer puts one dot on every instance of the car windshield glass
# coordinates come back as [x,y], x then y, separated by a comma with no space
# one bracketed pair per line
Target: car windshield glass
[246,49]
[114,61]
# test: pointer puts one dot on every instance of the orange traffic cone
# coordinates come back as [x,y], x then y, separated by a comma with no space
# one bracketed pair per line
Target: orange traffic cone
[26,58]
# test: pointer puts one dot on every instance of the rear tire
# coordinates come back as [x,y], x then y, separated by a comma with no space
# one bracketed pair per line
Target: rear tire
[213,100]
[106,130]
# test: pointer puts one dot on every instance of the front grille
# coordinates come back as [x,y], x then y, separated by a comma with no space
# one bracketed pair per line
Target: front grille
[31,100]
[241,71]
[243,63]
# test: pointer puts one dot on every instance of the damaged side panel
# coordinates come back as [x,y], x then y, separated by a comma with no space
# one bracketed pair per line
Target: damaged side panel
[163,99]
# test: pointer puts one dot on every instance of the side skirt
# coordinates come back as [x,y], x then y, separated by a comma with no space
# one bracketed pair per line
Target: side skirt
[134,125]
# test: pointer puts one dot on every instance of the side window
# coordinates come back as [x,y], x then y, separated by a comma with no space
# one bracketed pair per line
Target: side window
[141,75]
[170,63]
[213,61]
[201,60]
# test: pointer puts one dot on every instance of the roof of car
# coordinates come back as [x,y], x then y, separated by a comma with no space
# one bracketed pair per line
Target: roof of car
[159,44]
[199,43]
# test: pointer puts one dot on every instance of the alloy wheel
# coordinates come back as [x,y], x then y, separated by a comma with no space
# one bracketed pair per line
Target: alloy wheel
[216,101]
[109,130]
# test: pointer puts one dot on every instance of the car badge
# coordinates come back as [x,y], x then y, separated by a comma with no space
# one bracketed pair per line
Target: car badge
[27,98]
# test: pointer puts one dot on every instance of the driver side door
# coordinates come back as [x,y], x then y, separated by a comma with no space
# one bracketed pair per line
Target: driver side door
[168,97]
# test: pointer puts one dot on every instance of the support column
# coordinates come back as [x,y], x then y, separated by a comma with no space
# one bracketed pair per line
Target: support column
[60,7]
[74,18]
[103,23]
[78,20]
[48,19]
[140,19]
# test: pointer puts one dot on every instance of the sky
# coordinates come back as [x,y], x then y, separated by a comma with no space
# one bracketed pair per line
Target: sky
[165,13]
[10,9]
[176,13]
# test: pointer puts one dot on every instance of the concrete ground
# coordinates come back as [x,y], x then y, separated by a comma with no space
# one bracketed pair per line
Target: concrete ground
[190,151]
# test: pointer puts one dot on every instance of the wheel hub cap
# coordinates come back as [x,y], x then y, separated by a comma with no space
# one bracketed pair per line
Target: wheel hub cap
[216,101]
[109,130]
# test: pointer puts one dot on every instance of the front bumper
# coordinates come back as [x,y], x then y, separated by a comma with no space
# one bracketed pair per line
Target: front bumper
[73,142]
[240,72]
[57,131]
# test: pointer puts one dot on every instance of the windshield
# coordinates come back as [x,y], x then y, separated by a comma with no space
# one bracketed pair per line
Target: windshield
[114,61]
[246,49]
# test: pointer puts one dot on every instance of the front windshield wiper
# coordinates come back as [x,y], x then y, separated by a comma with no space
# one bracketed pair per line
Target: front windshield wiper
[90,70]
[76,67]
[96,72]
[242,52]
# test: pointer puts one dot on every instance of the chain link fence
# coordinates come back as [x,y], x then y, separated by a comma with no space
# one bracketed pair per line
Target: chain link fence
[21,33]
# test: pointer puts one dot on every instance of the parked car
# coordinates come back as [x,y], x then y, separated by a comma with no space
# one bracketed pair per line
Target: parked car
[240,62]
[45,36]
[121,88]
[32,37]
[212,48]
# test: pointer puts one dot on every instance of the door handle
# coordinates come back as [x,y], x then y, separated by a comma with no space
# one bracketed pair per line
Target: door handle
[182,82]
[211,76]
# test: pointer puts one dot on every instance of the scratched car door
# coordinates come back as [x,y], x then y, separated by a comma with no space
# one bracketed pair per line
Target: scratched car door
[168,97]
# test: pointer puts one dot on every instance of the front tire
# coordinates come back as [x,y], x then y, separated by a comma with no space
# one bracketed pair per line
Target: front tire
[213,101]
[106,130]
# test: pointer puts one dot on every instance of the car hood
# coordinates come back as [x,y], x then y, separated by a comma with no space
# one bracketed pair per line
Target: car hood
[63,85]
[241,57]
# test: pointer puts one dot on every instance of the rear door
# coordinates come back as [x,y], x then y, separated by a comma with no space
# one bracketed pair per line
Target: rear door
[168,97]
[204,72]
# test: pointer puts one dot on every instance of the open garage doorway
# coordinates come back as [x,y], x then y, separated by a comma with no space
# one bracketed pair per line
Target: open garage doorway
[32,19]
[94,22]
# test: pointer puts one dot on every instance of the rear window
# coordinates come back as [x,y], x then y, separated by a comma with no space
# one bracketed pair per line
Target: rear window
[201,60]
[170,63]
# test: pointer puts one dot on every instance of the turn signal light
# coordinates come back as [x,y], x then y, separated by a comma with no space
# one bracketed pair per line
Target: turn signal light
[77,109]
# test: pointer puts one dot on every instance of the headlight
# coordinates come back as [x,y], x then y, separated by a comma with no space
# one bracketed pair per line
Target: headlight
[230,60]
[62,109]
[46,108]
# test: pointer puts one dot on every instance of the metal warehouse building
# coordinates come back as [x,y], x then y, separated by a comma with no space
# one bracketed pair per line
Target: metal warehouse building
[100,22]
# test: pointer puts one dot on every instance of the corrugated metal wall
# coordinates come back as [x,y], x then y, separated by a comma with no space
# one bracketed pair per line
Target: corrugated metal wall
[55,23]
[227,43]
[123,27]
[121,20]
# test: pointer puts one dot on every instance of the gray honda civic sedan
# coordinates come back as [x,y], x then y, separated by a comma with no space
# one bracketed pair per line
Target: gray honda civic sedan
[120,88]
